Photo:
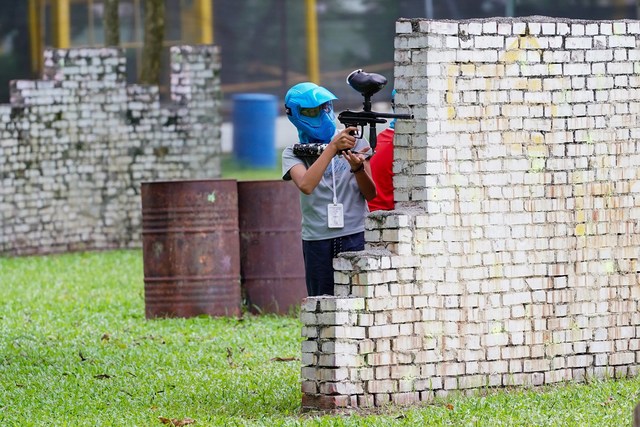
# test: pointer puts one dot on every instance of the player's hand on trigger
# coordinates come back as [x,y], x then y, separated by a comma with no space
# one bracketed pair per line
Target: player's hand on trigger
[343,140]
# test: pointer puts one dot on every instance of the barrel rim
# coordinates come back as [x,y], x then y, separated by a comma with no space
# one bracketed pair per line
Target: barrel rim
[189,181]
[265,181]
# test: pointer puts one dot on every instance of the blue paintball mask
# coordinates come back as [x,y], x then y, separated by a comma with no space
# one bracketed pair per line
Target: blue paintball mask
[392,123]
[310,108]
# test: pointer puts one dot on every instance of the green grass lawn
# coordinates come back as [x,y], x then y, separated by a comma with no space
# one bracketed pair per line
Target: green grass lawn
[232,169]
[76,350]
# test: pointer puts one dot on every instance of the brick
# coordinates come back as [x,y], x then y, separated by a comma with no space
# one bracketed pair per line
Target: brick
[341,388]
[344,347]
[322,402]
[309,387]
[339,359]
[381,386]
[354,332]
[378,359]
[340,304]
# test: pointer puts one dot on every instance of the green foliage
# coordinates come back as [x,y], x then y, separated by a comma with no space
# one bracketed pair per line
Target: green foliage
[76,350]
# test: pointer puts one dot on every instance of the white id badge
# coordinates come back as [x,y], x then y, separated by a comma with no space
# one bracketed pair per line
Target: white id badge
[335,215]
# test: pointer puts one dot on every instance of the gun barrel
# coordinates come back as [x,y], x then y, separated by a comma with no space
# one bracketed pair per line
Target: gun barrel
[371,116]
[394,116]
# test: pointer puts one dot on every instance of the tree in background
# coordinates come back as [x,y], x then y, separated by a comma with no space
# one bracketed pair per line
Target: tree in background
[111,23]
[154,18]
[15,59]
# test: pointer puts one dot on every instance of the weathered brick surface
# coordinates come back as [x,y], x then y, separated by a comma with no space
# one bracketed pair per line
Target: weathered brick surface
[512,257]
[75,146]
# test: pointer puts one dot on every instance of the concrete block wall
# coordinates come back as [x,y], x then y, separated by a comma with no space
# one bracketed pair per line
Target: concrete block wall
[75,146]
[512,257]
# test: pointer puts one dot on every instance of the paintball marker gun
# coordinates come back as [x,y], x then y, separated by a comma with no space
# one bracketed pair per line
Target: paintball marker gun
[367,84]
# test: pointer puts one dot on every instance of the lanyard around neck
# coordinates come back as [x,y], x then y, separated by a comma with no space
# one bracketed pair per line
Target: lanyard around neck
[333,177]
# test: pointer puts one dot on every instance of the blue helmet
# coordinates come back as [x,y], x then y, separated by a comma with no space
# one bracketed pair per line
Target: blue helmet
[310,108]
[392,124]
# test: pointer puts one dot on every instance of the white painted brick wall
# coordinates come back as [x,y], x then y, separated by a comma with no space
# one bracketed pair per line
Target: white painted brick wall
[511,258]
[53,199]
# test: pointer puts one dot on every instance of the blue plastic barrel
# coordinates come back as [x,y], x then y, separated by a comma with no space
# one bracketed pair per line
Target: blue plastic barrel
[254,122]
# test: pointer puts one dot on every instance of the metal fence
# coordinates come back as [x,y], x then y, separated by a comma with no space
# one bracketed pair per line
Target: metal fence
[264,43]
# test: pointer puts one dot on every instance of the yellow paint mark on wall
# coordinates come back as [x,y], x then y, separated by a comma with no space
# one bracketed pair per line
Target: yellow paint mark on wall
[490,70]
[553,69]
[468,70]
[517,51]
[450,98]
[538,151]
[537,164]
[534,85]
[453,70]
[610,267]
[537,138]
[521,84]
[528,42]
[508,137]
[513,56]
[589,137]
[600,189]
[496,271]
[515,44]
[580,230]
[516,149]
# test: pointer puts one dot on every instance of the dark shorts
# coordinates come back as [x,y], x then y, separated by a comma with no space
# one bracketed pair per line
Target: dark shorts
[318,260]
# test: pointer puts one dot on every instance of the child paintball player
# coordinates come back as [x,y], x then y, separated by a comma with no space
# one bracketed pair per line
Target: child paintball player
[334,186]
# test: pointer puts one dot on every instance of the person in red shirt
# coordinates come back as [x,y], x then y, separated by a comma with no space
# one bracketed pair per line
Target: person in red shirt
[382,167]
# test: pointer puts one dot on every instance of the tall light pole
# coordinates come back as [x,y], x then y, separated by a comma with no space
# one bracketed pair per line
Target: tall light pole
[313,62]
[35,35]
[61,23]
[203,10]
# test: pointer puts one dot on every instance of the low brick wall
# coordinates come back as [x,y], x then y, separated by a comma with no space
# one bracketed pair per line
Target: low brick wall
[75,146]
[512,257]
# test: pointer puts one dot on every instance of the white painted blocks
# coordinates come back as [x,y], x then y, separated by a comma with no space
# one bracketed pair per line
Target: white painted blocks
[82,106]
[512,256]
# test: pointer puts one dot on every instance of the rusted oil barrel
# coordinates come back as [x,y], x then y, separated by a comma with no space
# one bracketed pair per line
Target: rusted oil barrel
[271,262]
[191,248]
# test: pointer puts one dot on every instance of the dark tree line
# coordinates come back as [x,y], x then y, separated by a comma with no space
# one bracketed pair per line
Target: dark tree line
[154,24]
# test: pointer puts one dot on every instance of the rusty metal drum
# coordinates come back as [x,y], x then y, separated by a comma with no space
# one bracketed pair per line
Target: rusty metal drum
[191,248]
[271,262]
